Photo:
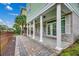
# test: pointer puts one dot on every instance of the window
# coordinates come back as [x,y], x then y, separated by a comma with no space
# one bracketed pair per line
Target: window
[63,25]
[52,27]
[49,32]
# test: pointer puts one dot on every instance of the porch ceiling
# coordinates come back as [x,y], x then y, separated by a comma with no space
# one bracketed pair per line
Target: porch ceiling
[51,13]
[65,9]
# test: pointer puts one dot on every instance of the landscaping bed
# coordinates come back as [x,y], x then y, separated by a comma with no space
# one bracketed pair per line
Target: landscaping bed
[5,38]
[10,48]
[72,50]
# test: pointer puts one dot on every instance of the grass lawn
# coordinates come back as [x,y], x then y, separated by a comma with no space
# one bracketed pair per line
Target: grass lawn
[72,50]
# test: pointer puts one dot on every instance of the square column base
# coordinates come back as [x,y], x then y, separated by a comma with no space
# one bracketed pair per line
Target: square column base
[33,38]
[29,35]
[41,40]
[58,48]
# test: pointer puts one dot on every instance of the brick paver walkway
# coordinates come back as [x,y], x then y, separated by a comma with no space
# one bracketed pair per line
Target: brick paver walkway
[26,46]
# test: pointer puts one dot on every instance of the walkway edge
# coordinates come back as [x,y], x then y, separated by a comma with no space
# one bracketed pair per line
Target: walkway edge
[17,53]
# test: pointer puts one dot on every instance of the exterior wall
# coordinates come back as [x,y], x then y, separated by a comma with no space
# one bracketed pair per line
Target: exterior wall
[68,24]
[71,28]
[75,25]
[67,36]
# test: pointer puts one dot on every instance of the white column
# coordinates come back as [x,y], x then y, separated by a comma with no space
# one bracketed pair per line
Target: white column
[33,29]
[46,29]
[58,47]
[51,29]
[30,30]
[27,29]
[41,29]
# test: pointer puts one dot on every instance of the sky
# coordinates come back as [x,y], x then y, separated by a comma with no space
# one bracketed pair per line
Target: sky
[9,11]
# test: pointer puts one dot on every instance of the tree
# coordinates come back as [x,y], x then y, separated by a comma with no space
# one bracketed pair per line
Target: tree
[21,21]
[16,28]
[3,27]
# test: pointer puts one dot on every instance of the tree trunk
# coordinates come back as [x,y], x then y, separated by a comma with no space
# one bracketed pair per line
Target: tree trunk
[21,30]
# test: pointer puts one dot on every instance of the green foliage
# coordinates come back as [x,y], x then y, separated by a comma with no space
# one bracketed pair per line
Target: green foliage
[19,21]
[10,29]
[3,27]
[17,29]
[71,51]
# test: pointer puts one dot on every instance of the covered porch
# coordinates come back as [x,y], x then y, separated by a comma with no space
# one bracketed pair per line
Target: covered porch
[53,27]
[51,42]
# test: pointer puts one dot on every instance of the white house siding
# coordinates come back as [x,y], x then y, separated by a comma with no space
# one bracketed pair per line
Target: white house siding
[67,36]
[71,27]
[68,24]
[75,24]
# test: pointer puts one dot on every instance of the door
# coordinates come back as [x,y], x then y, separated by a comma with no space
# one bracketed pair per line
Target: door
[51,28]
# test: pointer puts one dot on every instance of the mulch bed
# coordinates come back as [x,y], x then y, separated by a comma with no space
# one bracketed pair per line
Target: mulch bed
[10,48]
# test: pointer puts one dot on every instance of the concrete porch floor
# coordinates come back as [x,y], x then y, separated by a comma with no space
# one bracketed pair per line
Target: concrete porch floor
[26,46]
[51,42]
